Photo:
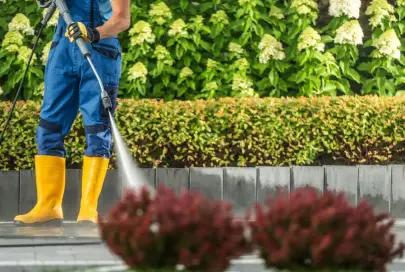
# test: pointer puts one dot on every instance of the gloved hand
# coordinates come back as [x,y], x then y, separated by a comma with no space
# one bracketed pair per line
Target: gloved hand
[79,30]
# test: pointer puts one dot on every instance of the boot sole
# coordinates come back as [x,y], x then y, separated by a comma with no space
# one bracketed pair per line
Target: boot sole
[49,223]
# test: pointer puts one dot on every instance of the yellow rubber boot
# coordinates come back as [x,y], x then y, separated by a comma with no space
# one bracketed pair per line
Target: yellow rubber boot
[94,172]
[50,173]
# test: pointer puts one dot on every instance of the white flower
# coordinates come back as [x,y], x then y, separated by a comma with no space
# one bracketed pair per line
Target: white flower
[161,53]
[387,45]
[310,38]
[178,28]
[45,52]
[141,32]
[235,48]
[276,12]
[21,23]
[246,2]
[242,64]
[351,8]
[154,227]
[186,72]
[219,17]
[160,12]
[349,33]
[211,64]
[270,49]
[305,7]
[24,54]
[138,71]
[400,3]
[211,86]
[12,37]
[1,91]
[380,10]
[12,48]
[242,86]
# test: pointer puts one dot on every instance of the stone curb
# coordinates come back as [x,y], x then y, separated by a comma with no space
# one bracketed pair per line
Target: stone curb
[382,186]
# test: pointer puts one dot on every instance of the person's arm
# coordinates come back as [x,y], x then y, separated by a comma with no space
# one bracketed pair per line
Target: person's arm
[119,22]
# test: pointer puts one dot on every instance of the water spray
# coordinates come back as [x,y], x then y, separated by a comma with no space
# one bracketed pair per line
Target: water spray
[133,178]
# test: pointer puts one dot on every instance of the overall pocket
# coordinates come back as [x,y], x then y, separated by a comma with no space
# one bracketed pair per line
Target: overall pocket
[107,57]
[107,50]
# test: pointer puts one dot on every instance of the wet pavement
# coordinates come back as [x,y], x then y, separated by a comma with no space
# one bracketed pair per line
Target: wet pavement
[68,230]
[79,248]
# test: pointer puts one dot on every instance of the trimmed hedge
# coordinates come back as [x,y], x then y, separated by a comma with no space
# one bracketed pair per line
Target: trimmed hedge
[233,132]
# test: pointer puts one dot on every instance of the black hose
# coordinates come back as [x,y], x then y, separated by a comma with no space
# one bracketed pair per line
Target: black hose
[21,84]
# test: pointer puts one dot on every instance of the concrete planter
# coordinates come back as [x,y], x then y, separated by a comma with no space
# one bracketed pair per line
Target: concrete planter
[383,186]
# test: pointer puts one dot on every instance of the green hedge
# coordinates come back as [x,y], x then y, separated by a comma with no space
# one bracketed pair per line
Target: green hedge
[234,132]
[220,48]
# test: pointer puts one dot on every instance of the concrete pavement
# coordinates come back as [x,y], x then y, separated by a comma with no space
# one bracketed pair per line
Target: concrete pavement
[79,249]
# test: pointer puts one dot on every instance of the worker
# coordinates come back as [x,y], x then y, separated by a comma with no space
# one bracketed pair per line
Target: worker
[70,85]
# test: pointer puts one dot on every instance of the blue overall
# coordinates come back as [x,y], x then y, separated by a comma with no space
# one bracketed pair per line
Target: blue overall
[70,85]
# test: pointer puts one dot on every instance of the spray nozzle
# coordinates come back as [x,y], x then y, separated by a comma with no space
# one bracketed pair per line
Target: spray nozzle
[106,100]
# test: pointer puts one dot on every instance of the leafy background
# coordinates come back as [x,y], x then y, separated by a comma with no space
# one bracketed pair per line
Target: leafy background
[200,64]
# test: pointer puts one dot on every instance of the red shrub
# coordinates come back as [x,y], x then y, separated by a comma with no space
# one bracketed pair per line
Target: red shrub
[169,230]
[318,231]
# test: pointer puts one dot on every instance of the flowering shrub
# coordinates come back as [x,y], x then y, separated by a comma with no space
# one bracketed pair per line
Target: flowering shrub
[322,231]
[16,43]
[173,232]
[384,71]
[246,48]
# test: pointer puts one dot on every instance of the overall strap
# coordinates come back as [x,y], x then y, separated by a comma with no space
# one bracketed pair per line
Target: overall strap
[92,13]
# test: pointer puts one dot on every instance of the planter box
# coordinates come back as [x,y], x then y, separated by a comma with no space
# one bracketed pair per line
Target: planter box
[383,186]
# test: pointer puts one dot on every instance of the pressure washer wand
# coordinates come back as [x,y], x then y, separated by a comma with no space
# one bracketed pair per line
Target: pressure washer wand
[64,11]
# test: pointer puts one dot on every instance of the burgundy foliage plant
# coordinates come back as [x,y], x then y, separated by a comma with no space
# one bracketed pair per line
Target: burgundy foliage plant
[169,231]
[309,230]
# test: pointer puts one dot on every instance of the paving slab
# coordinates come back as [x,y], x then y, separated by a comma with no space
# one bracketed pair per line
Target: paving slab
[42,234]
